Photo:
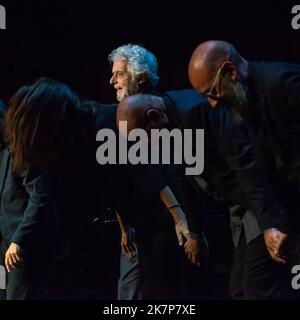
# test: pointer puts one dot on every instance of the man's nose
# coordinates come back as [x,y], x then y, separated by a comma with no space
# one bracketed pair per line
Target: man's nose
[112,79]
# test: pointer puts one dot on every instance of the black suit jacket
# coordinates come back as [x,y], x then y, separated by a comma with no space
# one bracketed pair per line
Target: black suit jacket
[133,190]
[229,164]
[273,122]
[27,211]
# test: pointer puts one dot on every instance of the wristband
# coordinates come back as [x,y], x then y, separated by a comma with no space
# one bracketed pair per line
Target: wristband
[174,206]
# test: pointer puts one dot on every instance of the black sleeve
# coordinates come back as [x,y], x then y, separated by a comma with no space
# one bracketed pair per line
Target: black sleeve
[289,105]
[36,186]
[194,204]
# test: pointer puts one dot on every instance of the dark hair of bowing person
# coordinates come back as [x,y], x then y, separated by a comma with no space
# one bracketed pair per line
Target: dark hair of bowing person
[39,128]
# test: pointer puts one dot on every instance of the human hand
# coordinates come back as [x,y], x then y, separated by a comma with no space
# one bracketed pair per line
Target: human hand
[12,257]
[127,245]
[274,240]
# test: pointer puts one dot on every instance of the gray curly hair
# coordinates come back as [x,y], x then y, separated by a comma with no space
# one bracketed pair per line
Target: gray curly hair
[139,61]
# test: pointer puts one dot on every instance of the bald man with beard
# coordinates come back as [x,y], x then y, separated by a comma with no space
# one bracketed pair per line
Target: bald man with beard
[229,171]
[264,99]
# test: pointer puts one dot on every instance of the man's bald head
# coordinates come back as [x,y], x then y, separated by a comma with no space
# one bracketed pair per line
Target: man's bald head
[207,58]
[218,71]
[142,111]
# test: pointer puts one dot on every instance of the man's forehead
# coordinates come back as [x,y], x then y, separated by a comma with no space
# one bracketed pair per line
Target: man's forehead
[203,80]
[120,64]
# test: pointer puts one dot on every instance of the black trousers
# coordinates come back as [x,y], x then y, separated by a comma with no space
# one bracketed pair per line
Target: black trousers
[292,289]
[160,264]
[28,282]
[254,275]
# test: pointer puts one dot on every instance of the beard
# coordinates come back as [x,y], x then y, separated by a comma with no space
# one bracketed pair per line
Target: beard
[131,90]
[235,99]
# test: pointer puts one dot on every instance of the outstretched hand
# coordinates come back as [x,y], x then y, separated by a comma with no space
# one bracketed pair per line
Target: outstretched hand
[194,248]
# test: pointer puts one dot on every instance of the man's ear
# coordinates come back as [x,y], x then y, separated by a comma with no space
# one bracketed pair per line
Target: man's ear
[142,79]
[154,118]
[230,67]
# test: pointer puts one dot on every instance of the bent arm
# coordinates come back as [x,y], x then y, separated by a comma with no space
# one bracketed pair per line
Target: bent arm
[36,187]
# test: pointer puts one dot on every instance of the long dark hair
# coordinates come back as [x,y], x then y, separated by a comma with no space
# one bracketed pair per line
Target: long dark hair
[40,123]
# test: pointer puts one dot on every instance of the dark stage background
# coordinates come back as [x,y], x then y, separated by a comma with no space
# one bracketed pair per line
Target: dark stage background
[70,42]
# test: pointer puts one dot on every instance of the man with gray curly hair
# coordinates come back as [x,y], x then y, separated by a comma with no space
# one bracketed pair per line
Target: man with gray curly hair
[153,267]
[134,70]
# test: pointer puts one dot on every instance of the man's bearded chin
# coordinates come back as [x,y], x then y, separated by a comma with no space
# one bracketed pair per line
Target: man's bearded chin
[236,100]
[120,95]
[130,91]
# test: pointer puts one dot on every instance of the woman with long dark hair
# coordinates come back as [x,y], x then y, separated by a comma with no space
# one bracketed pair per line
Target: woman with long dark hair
[39,129]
